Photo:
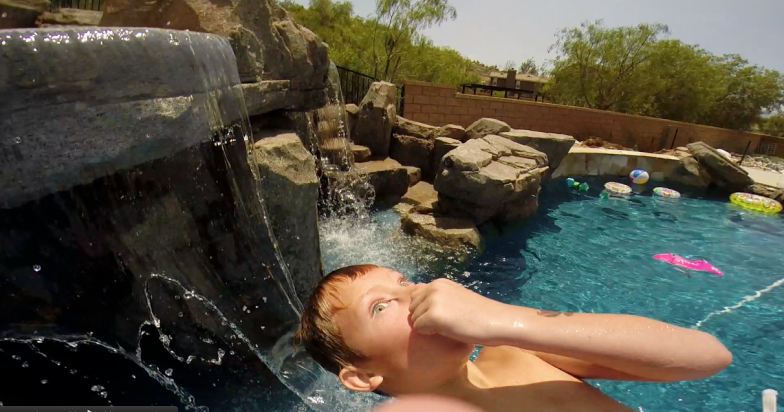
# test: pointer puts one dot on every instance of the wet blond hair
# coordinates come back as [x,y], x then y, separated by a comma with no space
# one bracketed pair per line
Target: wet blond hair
[318,332]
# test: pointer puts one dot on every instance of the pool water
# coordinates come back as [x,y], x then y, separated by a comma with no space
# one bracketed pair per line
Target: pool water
[586,254]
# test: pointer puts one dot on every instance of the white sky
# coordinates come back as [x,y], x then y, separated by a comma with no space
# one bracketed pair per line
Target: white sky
[494,31]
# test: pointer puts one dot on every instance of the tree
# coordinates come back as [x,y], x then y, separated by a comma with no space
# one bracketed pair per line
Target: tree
[529,66]
[772,125]
[598,67]
[356,43]
[510,65]
[633,70]
[397,26]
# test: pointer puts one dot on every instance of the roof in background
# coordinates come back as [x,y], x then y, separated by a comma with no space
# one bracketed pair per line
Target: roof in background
[525,77]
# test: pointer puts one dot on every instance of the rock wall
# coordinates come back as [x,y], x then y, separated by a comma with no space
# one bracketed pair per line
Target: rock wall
[268,44]
[291,191]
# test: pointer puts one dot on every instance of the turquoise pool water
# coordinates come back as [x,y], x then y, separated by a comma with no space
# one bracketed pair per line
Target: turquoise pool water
[582,253]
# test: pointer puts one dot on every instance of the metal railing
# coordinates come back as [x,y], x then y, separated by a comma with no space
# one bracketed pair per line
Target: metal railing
[509,93]
[355,85]
[94,5]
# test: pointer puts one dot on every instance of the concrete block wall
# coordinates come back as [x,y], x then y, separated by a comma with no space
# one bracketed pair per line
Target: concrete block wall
[441,104]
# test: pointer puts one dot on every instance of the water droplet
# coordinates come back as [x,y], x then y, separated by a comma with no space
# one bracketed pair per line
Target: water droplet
[44,382]
[231,353]
[18,139]
[190,359]
[97,388]
[37,268]
[25,365]
[73,371]
[133,376]
[262,328]
[244,308]
[15,357]
[103,394]
[176,296]
[4,15]
[180,314]
[264,298]
[169,372]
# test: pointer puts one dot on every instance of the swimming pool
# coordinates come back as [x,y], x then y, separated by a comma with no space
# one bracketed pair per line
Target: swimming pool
[586,254]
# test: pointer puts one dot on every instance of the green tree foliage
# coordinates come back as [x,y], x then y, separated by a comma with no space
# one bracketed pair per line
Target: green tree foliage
[633,70]
[388,45]
[529,66]
[772,125]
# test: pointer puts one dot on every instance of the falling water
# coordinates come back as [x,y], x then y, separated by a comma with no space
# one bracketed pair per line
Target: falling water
[136,262]
[345,190]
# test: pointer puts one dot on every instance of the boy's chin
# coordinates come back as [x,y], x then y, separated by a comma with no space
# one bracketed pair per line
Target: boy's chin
[440,346]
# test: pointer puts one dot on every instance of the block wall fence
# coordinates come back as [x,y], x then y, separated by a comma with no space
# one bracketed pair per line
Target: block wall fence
[440,105]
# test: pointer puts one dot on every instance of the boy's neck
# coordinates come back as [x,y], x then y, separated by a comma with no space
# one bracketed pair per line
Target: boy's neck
[467,383]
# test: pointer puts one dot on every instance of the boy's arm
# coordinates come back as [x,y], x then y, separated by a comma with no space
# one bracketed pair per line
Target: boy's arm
[630,345]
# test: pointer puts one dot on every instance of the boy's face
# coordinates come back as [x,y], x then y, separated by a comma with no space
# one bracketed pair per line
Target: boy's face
[375,322]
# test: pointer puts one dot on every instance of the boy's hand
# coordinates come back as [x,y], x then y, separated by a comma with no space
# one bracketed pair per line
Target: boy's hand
[443,307]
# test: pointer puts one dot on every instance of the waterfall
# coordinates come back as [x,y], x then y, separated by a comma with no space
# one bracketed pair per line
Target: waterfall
[345,190]
[137,265]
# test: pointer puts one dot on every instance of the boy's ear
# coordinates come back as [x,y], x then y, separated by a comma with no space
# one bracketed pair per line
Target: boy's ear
[358,380]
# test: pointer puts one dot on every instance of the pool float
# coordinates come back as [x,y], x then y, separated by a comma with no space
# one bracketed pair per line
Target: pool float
[665,192]
[755,202]
[618,188]
[573,184]
[639,176]
[699,265]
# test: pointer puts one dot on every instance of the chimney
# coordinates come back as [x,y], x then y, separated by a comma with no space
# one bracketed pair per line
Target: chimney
[511,79]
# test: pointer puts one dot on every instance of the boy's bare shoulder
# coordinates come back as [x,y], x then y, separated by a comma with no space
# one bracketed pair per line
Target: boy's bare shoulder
[511,362]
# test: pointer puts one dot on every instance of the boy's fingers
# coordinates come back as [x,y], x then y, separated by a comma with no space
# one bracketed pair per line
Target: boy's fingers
[417,311]
[417,296]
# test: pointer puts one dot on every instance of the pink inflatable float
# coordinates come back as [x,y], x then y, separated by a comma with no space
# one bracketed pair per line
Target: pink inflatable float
[699,265]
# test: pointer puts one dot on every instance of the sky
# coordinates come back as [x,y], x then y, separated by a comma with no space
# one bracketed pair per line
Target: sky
[495,31]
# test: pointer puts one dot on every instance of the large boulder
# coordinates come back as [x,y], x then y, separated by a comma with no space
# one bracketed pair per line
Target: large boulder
[361,153]
[266,96]
[725,173]
[377,113]
[352,114]
[69,17]
[268,44]
[690,172]
[444,231]
[452,131]
[291,190]
[411,128]
[442,146]
[767,191]
[482,177]
[413,151]
[555,146]
[388,177]
[422,196]
[484,127]
[414,175]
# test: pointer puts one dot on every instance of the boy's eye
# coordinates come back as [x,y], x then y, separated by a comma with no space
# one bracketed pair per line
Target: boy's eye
[379,307]
[405,282]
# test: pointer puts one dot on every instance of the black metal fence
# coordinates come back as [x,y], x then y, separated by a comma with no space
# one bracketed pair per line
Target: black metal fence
[95,5]
[355,85]
[508,93]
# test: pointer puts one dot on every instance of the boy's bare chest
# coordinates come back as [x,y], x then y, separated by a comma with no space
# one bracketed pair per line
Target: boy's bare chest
[523,382]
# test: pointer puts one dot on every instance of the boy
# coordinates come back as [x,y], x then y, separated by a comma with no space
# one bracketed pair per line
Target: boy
[378,332]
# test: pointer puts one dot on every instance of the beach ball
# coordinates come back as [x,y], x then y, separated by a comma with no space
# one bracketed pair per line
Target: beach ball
[639,176]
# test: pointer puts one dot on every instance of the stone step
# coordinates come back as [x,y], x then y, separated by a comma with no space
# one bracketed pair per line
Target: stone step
[361,153]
